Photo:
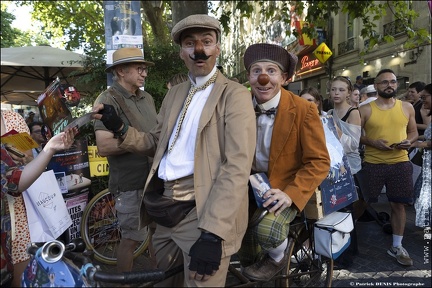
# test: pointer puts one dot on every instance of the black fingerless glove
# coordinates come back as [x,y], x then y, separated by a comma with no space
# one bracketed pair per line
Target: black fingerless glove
[110,119]
[206,254]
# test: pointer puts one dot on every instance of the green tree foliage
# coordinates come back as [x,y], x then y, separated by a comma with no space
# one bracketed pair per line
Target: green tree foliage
[80,25]
[73,24]
[8,33]
[14,37]
[320,12]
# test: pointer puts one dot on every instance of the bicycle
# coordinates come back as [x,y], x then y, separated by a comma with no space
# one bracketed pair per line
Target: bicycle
[304,267]
[100,229]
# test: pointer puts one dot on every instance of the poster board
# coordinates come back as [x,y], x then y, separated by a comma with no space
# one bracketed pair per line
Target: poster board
[122,21]
[76,206]
[71,168]
[338,188]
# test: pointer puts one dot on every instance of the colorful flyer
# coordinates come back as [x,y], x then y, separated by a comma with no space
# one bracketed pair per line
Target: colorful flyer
[52,107]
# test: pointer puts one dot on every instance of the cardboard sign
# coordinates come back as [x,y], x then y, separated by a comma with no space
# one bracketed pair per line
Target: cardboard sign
[98,165]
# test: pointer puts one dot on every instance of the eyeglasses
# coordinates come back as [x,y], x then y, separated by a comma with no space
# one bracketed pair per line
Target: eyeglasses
[37,131]
[141,69]
[386,82]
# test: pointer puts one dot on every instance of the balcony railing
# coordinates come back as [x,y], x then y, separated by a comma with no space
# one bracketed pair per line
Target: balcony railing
[393,28]
[346,46]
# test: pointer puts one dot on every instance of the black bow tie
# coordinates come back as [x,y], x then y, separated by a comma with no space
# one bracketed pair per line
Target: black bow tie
[269,112]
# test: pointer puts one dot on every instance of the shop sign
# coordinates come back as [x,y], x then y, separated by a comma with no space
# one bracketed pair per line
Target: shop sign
[307,63]
[98,165]
[322,53]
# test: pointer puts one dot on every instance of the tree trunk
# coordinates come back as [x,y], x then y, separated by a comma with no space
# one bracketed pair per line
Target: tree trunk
[182,9]
[155,19]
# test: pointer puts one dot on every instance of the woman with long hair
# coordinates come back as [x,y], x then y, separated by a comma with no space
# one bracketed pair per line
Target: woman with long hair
[347,120]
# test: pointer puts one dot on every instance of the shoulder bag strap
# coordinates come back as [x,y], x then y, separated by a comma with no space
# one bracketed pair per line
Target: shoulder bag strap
[131,118]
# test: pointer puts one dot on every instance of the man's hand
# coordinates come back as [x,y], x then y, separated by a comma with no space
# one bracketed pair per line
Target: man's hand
[404,145]
[280,197]
[381,144]
[205,256]
[107,114]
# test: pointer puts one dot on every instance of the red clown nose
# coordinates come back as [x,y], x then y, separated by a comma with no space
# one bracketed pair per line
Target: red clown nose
[263,79]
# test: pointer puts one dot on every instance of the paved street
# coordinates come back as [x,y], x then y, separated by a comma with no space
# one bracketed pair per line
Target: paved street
[373,266]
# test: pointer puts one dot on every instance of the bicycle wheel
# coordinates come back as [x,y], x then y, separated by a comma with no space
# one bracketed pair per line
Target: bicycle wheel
[305,268]
[100,229]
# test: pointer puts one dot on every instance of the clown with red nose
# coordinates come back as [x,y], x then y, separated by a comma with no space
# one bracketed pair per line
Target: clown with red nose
[290,150]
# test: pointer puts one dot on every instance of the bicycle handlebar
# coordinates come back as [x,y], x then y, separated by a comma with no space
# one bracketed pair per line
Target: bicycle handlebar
[53,251]
[125,277]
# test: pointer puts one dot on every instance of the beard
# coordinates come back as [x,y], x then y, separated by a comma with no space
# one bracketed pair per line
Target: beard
[383,94]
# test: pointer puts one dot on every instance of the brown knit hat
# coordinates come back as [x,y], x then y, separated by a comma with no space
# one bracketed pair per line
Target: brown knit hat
[128,55]
[195,21]
[272,53]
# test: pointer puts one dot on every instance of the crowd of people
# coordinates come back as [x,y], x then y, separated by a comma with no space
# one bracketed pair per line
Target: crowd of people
[184,171]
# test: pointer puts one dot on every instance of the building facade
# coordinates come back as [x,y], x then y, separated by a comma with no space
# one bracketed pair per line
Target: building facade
[341,36]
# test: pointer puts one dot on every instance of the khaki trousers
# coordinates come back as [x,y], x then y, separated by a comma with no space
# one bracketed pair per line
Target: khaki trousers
[172,247]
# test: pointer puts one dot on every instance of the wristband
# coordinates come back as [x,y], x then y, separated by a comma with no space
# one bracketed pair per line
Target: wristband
[122,132]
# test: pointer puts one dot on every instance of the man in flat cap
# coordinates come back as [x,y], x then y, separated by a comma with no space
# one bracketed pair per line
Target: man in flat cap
[203,147]
[291,151]
[128,171]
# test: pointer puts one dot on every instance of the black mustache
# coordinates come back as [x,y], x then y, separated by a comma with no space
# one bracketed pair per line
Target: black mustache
[199,56]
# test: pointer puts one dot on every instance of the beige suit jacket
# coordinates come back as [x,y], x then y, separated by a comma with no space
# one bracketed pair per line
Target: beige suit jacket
[299,160]
[224,152]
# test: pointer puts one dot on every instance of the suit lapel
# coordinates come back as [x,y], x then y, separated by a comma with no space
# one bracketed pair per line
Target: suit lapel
[283,126]
[179,94]
[212,100]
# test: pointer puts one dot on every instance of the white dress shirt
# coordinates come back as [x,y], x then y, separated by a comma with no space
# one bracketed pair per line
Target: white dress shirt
[179,162]
[264,134]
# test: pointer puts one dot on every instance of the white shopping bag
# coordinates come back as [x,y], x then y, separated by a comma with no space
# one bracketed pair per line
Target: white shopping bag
[46,210]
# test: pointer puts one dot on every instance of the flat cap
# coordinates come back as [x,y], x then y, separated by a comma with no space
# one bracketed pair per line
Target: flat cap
[263,52]
[195,21]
